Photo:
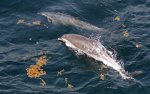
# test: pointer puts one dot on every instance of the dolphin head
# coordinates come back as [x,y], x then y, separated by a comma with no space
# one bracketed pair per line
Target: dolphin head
[70,37]
[64,38]
[48,15]
[76,41]
[67,39]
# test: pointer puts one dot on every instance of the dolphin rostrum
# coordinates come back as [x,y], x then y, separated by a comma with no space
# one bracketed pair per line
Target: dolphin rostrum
[93,49]
[63,19]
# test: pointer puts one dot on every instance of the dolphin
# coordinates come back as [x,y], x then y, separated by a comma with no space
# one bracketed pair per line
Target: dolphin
[67,20]
[93,49]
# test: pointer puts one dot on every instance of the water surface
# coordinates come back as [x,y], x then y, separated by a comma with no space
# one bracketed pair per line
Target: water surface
[22,44]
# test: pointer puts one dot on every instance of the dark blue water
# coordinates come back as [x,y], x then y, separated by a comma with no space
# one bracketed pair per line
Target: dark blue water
[22,44]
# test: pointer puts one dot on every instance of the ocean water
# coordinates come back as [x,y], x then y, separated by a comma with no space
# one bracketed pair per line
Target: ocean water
[23,43]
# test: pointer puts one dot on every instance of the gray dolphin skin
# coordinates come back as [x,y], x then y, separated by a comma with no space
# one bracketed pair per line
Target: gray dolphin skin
[93,49]
[63,19]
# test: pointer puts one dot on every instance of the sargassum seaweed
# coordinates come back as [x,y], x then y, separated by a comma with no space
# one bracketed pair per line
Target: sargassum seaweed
[35,71]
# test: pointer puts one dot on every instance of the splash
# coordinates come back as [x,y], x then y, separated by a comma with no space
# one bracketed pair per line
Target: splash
[109,59]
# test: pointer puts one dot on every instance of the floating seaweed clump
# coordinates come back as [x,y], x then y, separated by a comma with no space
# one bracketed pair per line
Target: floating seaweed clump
[102,76]
[70,86]
[35,71]
[41,61]
[117,18]
[61,72]
[125,33]
[21,21]
[36,22]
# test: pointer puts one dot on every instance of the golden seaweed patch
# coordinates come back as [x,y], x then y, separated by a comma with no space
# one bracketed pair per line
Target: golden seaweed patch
[61,72]
[102,77]
[70,86]
[41,61]
[35,71]
[36,22]
[117,18]
[125,33]
[20,21]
